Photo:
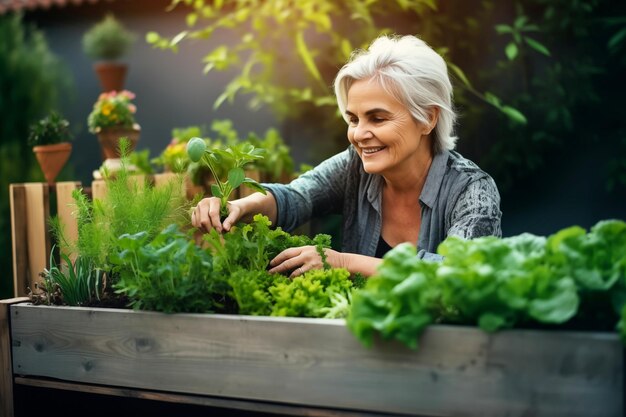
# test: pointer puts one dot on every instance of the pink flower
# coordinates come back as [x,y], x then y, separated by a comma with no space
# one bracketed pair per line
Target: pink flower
[128,94]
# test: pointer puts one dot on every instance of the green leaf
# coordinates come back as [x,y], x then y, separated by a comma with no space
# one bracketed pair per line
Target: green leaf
[236,177]
[492,99]
[346,48]
[561,307]
[520,22]
[502,29]
[176,40]
[490,322]
[196,148]
[252,184]
[191,19]
[616,39]
[459,73]
[537,46]
[306,56]
[152,37]
[514,114]
[215,190]
[511,51]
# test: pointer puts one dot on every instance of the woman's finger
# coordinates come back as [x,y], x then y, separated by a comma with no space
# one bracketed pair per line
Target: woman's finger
[234,213]
[285,255]
[212,219]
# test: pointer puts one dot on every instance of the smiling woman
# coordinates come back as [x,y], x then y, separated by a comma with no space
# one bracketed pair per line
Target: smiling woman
[399,180]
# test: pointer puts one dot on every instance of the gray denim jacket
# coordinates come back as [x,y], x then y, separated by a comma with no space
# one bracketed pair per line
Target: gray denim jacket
[458,199]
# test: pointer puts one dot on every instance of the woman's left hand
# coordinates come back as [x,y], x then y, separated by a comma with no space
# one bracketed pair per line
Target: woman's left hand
[302,259]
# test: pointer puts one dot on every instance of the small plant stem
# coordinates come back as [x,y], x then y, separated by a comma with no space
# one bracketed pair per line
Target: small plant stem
[214,173]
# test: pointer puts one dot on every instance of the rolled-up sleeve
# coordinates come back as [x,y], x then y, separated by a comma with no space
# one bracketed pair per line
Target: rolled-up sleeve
[316,192]
[477,211]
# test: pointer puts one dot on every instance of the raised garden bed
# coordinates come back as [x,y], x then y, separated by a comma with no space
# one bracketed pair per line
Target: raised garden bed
[313,366]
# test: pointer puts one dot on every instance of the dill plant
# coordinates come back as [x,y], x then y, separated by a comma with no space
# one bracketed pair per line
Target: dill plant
[130,206]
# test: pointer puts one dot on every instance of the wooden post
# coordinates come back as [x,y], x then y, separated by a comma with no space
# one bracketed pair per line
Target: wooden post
[178,181]
[98,189]
[164,178]
[30,209]
[6,366]
[65,208]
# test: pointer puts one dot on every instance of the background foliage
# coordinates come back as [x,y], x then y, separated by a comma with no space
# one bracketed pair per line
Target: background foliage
[31,78]
[528,73]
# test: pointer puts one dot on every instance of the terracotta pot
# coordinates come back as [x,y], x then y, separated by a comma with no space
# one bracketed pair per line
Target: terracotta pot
[111,75]
[109,138]
[52,158]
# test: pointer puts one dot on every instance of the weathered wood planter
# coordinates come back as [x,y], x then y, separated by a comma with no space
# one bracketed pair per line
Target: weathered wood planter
[315,366]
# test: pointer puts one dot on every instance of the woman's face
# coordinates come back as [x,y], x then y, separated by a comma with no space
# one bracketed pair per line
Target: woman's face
[383,132]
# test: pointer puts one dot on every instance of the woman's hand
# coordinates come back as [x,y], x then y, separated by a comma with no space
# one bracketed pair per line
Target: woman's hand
[206,215]
[302,259]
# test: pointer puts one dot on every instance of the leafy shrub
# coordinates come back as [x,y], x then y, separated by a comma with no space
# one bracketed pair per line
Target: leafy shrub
[107,39]
[167,273]
[50,130]
[129,207]
[498,283]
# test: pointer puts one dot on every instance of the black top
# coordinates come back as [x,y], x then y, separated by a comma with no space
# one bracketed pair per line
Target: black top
[382,248]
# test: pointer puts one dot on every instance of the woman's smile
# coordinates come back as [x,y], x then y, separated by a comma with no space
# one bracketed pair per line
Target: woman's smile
[372,151]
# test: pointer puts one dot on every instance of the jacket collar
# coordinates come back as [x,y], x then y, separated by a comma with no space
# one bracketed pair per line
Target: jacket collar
[431,186]
[435,178]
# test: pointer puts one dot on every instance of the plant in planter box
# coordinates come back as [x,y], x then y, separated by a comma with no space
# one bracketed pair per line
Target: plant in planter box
[573,279]
[278,165]
[174,156]
[127,208]
[50,138]
[106,42]
[232,159]
[113,117]
[75,283]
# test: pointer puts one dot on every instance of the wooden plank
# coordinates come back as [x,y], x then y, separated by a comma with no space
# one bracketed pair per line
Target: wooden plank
[164,178]
[318,363]
[98,189]
[178,180]
[31,240]
[37,215]
[19,238]
[6,367]
[65,208]
[205,401]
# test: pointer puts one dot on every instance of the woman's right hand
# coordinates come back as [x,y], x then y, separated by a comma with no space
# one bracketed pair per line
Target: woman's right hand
[206,215]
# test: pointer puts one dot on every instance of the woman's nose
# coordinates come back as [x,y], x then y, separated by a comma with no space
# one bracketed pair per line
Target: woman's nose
[362,132]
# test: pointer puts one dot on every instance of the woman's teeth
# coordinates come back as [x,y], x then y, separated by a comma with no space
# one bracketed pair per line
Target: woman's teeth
[372,150]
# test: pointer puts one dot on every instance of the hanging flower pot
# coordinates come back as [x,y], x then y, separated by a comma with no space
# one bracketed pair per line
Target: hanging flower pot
[52,158]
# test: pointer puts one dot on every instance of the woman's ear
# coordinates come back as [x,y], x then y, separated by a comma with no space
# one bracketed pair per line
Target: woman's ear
[434,118]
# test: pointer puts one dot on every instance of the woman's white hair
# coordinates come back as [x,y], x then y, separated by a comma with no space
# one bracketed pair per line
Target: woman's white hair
[412,72]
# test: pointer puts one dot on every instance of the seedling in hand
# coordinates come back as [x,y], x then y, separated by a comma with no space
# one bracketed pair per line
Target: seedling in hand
[232,160]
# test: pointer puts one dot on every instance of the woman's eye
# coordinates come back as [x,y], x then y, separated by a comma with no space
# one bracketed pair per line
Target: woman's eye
[377,120]
[354,121]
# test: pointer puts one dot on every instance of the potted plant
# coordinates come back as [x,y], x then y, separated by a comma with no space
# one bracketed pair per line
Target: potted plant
[113,117]
[106,42]
[50,138]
